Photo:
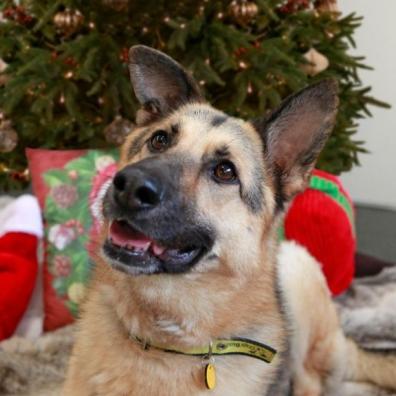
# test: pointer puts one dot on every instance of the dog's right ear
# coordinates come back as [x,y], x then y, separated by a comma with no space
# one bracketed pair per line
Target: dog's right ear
[161,85]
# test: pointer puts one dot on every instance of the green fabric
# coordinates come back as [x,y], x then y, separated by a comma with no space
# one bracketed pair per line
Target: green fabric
[69,222]
[332,190]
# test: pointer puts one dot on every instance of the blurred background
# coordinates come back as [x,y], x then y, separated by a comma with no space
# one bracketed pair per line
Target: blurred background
[373,183]
[64,79]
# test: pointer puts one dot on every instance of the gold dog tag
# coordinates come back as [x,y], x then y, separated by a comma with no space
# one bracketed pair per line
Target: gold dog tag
[210,376]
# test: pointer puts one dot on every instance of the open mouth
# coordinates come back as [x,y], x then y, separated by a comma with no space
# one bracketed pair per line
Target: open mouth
[136,253]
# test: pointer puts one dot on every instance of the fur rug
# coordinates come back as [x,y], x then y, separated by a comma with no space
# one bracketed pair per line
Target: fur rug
[367,313]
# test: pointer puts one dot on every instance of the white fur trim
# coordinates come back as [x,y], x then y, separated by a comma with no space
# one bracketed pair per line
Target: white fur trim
[22,215]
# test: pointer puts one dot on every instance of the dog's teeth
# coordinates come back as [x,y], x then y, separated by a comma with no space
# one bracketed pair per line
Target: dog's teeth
[158,250]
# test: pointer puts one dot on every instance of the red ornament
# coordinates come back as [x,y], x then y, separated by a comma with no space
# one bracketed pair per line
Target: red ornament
[70,61]
[124,55]
[240,51]
[291,6]
[17,14]
[20,175]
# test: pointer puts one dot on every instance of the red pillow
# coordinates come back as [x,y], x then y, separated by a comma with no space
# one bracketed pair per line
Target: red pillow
[68,185]
[55,311]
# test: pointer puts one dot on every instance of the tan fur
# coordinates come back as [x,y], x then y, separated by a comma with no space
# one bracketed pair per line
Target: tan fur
[234,295]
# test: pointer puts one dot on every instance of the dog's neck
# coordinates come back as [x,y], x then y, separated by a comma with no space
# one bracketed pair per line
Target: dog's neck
[213,307]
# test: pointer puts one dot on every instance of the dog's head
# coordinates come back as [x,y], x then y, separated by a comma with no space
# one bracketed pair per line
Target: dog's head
[198,190]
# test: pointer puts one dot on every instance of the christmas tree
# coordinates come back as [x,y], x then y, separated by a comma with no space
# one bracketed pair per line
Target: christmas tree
[64,67]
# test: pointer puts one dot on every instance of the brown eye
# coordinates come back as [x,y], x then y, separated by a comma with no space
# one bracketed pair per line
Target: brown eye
[225,172]
[159,141]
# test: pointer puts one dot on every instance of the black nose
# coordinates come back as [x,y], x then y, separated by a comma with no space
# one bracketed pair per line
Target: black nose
[135,188]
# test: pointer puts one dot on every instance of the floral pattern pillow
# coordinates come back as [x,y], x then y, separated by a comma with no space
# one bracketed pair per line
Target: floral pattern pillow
[72,210]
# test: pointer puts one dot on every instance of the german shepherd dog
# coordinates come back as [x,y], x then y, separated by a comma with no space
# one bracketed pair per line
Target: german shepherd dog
[189,255]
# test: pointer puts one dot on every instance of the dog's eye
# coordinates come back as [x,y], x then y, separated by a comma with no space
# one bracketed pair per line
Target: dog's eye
[159,141]
[224,172]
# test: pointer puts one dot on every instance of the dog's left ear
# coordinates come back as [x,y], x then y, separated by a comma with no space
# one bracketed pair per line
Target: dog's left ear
[295,133]
[161,85]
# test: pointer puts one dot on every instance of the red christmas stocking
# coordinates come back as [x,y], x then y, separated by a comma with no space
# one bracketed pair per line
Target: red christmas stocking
[20,230]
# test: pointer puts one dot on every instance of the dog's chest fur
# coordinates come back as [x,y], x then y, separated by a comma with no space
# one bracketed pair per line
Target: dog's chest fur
[120,366]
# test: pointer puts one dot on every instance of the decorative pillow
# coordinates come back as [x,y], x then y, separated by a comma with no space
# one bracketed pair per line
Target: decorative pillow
[69,186]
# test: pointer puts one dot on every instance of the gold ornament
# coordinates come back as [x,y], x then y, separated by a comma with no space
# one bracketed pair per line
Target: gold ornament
[327,6]
[3,77]
[3,66]
[116,132]
[118,5]
[62,99]
[15,174]
[243,65]
[68,21]
[243,11]
[68,75]
[8,137]
[317,62]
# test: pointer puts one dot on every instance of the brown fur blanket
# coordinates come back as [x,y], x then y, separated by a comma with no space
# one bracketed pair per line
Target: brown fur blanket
[367,313]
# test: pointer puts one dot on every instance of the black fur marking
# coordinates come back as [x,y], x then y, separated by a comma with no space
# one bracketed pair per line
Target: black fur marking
[282,381]
[279,196]
[254,197]
[217,120]
[222,152]
[212,256]
[137,144]
[175,128]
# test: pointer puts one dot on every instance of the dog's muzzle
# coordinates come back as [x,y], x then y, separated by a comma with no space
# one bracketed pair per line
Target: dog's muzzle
[151,228]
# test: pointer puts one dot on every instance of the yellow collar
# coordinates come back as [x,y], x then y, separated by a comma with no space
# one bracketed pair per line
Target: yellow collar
[233,346]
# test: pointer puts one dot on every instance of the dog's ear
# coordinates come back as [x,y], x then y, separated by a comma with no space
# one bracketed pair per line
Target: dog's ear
[161,85]
[295,133]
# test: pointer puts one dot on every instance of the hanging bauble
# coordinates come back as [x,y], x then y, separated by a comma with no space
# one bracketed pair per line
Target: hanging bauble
[68,21]
[291,6]
[124,55]
[327,6]
[243,11]
[317,62]
[15,174]
[118,5]
[8,137]
[3,77]
[18,14]
[116,132]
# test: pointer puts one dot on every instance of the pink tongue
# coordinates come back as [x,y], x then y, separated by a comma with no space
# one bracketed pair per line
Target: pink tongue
[123,235]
